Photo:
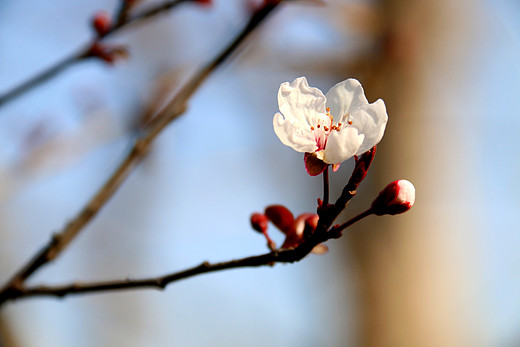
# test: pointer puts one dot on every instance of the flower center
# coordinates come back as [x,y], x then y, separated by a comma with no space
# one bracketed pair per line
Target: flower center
[323,128]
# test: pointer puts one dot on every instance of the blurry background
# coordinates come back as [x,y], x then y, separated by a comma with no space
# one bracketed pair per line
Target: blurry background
[447,273]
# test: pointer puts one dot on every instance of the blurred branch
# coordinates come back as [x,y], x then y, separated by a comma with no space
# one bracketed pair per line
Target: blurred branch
[172,110]
[122,21]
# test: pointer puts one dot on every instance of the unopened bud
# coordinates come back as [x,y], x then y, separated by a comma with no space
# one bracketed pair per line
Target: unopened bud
[259,222]
[204,2]
[302,226]
[101,23]
[397,197]
[281,217]
[109,54]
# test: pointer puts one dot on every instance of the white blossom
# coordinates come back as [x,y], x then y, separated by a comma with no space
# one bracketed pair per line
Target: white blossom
[335,126]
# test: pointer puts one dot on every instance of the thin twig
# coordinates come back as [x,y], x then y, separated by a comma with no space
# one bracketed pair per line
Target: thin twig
[83,53]
[357,218]
[326,186]
[173,110]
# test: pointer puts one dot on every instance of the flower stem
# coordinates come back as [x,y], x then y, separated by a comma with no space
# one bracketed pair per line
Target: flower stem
[354,220]
[326,186]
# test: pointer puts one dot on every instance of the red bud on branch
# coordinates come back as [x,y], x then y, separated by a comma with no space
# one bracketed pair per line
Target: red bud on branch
[397,197]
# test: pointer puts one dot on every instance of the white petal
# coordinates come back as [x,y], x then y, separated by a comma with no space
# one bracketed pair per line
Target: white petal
[406,193]
[300,103]
[370,120]
[344,98]
[342,145]
[292,135]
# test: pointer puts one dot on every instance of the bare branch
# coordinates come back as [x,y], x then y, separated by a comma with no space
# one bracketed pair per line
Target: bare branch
[172,110]
[279,256]
[324,231]
[84,52]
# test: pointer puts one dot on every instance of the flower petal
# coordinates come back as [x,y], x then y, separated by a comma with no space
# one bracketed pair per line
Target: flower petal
[342,145]
[370,120]
[344,98]
[292,135]
[300,103]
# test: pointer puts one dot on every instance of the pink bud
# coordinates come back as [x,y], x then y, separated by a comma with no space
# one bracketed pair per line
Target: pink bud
[101,23]
[204,2]
[281,217]
[259,222]
[397,197]
[304,225]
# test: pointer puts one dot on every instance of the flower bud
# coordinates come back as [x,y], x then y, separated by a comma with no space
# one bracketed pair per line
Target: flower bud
[303,225]
[101,23]
[204,2]
[397,197]
[259,222]
[281,217]
[109,54]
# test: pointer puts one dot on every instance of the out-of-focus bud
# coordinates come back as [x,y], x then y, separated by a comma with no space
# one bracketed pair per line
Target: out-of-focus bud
[301,227]
[281,217]
[101,23]
[109,54]
[397,197]
[203,2]
[259,222]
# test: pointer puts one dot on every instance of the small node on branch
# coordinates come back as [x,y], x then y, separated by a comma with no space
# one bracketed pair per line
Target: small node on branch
[101,23]
[397,197]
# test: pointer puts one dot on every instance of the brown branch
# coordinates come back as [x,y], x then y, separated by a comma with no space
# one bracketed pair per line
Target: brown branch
[171,111]
[84,52]
[279,256]
[324,231]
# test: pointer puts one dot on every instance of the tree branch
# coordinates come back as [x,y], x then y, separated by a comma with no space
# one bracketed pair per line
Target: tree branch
[279,256]
[324,231]
[84,52]
[171,111]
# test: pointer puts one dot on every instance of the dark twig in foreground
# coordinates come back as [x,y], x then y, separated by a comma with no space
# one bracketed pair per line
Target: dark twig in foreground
[173,109]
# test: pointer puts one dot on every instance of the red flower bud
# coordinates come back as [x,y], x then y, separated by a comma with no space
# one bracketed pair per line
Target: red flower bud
[281,217]
[397,197]
[304,225]
[101,23]
[259,222]
[109,54]
[204,2]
